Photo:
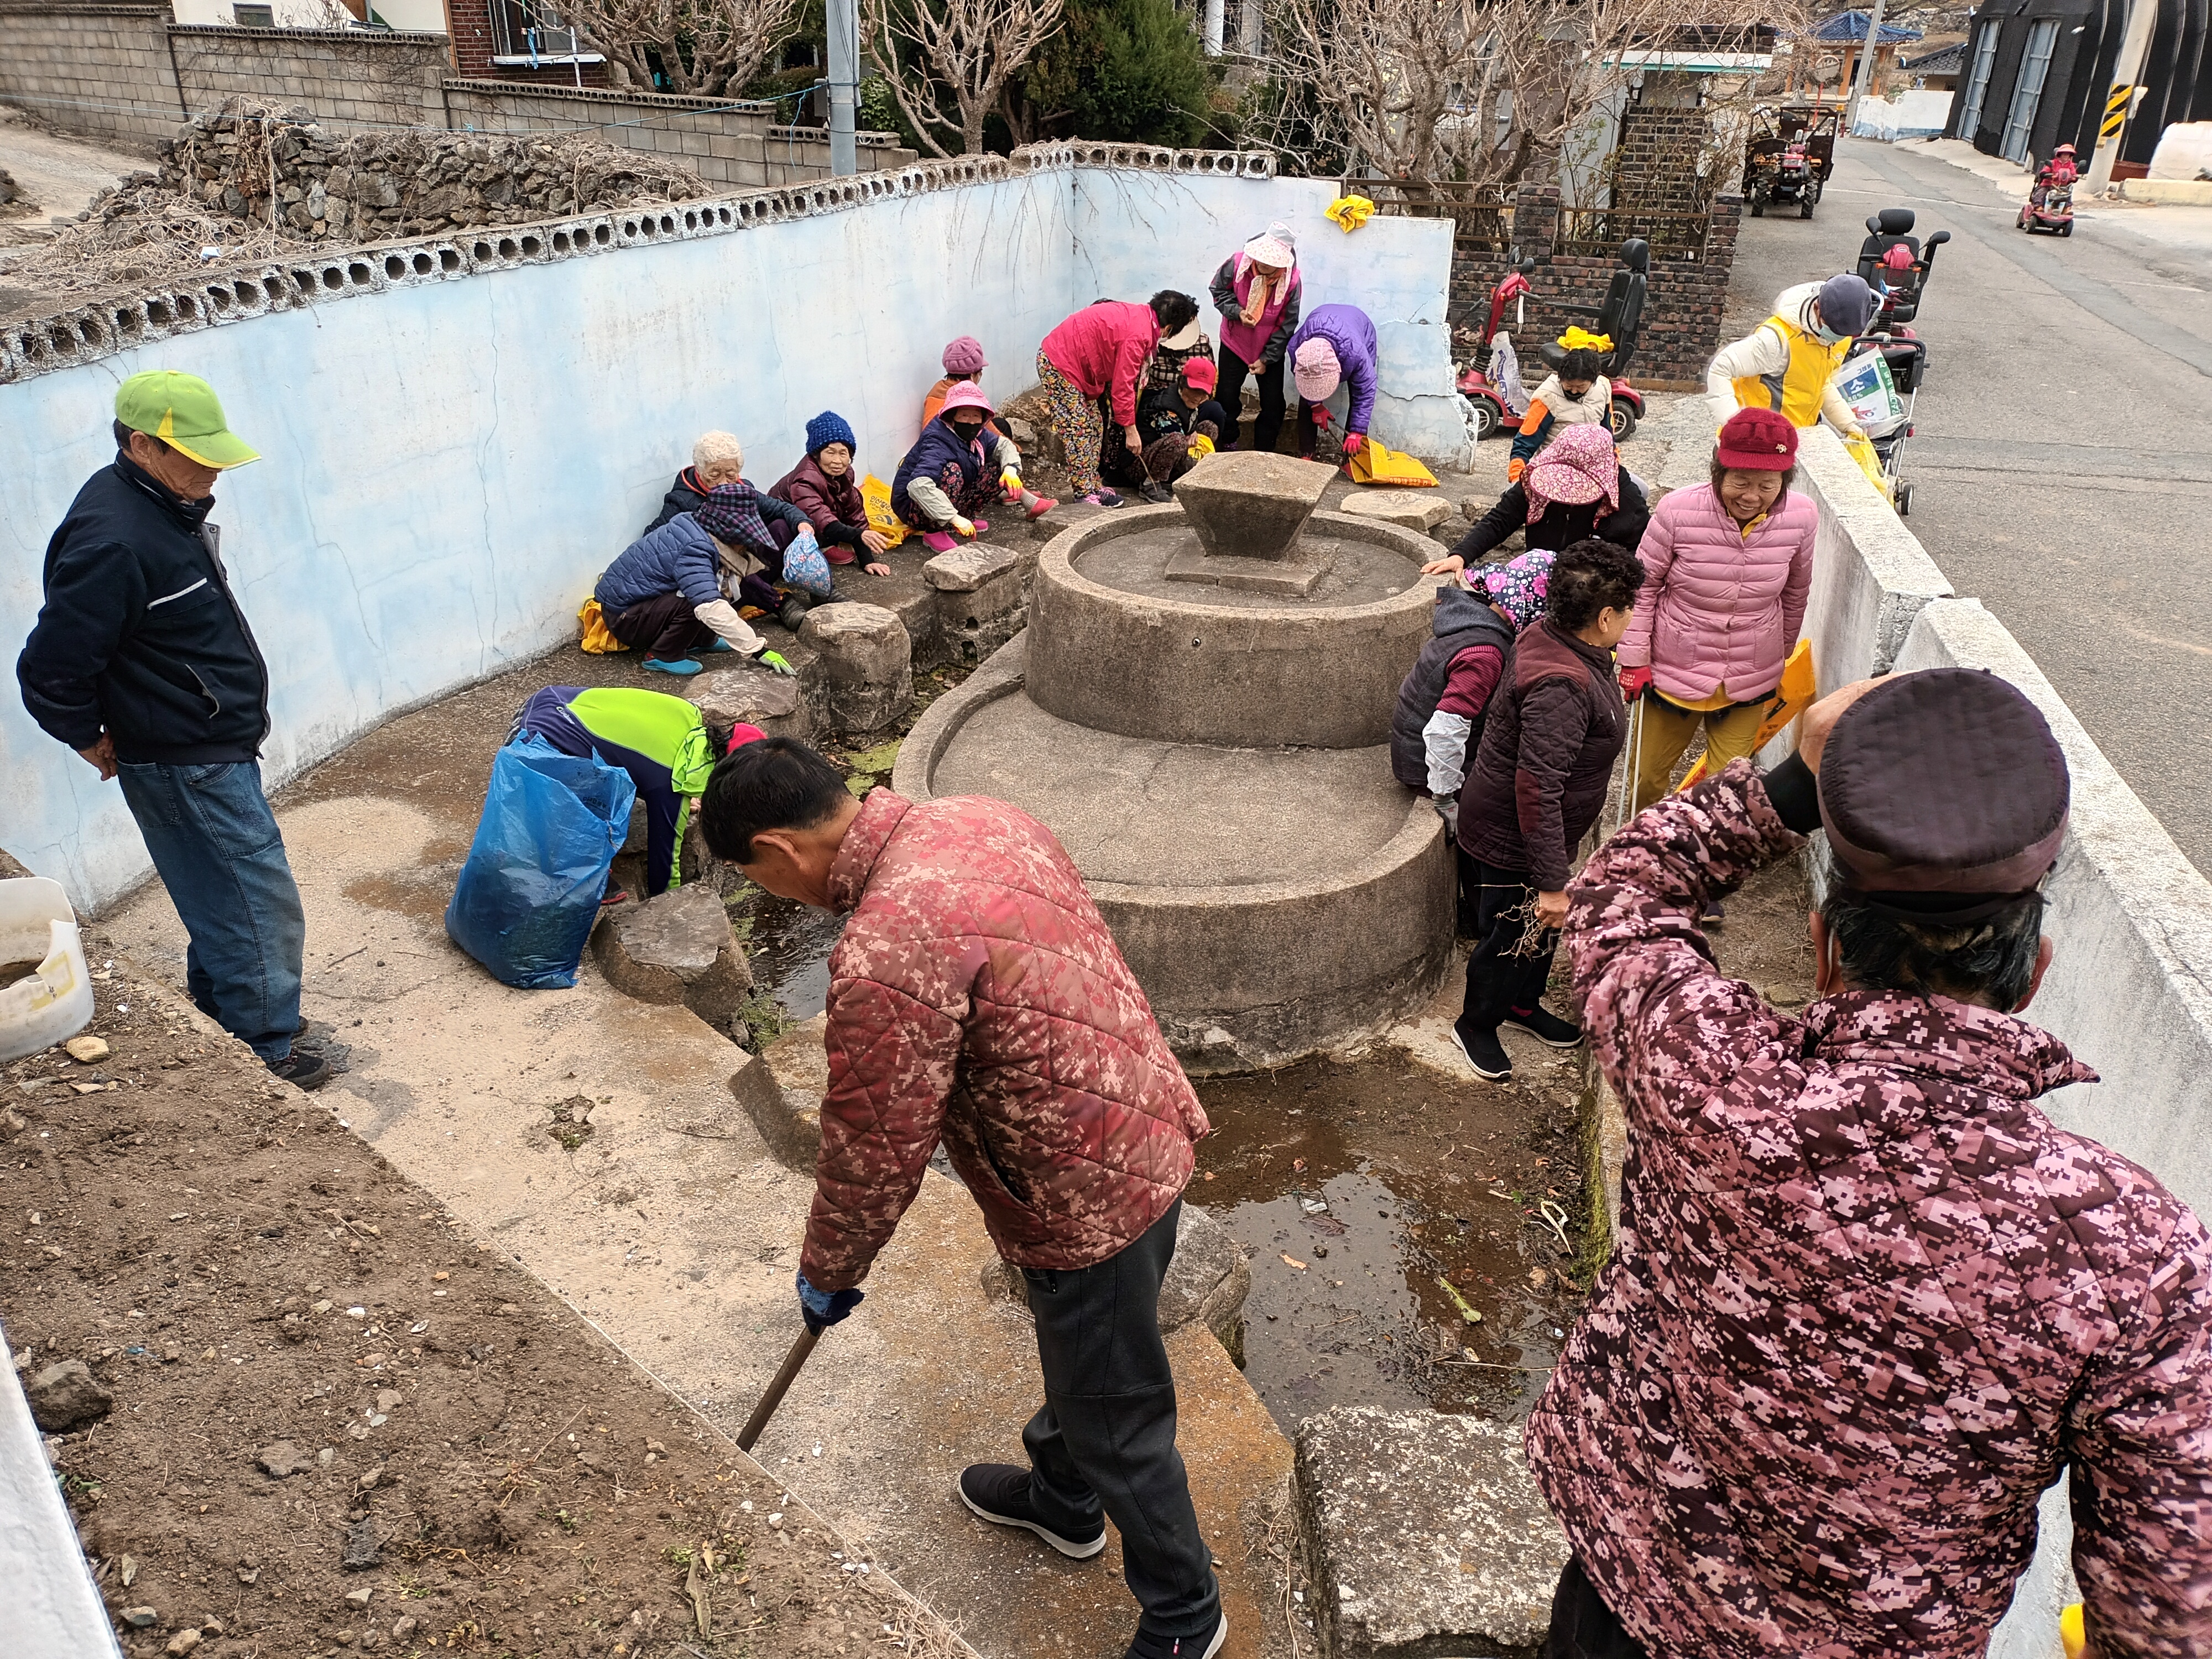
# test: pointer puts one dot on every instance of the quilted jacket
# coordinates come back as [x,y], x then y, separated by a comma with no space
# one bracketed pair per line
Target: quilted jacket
[1720,603]
[977,996]
[1867,1303]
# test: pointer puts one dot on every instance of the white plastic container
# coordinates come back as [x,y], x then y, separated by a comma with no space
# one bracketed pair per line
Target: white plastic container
[37,925]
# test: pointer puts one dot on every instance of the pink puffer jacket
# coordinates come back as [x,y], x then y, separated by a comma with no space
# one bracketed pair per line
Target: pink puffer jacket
[1720,605]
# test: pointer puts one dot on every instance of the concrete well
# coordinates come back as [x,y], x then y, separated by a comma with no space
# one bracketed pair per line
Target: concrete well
[1215,759]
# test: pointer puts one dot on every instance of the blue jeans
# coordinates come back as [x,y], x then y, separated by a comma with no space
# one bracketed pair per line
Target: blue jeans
[217,846]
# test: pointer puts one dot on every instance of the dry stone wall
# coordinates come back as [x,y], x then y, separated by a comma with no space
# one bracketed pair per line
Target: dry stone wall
[268,169]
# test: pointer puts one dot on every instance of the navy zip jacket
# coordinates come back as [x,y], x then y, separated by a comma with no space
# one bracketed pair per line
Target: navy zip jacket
[140,634]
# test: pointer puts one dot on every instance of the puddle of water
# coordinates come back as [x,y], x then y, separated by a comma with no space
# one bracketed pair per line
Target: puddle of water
[789,947]
[1356,1185]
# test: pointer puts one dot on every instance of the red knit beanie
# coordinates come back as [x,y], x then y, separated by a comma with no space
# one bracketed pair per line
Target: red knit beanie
[1758,441]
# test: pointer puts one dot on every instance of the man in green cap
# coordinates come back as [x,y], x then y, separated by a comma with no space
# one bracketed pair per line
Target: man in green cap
[142,661]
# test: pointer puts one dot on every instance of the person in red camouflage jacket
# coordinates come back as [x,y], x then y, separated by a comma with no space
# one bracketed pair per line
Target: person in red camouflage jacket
[1868,1301]
[977,997]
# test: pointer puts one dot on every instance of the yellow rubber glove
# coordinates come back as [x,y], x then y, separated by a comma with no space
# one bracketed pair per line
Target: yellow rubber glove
[965,527]
[1199,448]
[2071,1632]
[1011,481]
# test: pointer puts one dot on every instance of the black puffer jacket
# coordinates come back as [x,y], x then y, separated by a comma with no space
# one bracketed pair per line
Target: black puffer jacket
[1463,619]
[1562,526]
[140,636]
[684,495]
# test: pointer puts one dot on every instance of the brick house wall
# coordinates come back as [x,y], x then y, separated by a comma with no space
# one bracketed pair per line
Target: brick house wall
[1686,291]
[475,45]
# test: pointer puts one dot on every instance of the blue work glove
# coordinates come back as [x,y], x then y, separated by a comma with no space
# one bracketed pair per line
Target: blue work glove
[823,1308]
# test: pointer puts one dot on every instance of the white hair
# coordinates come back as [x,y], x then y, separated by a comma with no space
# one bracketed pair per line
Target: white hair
[714,446]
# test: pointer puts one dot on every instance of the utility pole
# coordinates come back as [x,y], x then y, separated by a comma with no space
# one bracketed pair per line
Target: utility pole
[1863,75]
[2125,93]
[844,31]
[1213,15]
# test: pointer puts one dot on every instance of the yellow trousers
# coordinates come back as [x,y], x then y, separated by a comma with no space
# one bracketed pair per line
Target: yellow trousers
[1667,731]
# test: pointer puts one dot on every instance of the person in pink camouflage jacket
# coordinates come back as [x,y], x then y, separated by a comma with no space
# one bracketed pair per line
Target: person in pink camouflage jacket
[978,997]
[1868,1301]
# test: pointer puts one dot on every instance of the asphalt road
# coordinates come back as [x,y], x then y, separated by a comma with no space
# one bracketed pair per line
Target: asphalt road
[2062,461]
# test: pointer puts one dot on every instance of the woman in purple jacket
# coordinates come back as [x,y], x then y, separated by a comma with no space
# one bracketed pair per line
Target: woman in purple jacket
[1334,346]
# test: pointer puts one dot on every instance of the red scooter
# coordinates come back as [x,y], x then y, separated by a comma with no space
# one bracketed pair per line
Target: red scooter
[2048,208]
[1620,317]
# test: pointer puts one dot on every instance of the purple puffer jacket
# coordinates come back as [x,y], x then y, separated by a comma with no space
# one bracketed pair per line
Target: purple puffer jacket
[1352,337]
[1720,605]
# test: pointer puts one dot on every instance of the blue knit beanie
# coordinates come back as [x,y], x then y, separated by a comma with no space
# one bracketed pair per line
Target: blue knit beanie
[826,428]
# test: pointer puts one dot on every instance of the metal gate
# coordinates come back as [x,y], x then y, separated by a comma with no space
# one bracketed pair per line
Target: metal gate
[1978,79]
[2028,87]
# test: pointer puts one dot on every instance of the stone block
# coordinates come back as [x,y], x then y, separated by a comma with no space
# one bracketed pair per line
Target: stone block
[1422,1533]
[1250,506]
[964,569]
[1416,509]
[67,1397]
[866,663]
[757,697]
[905,592]
[1206,1282]
[785,1100]
[676,948]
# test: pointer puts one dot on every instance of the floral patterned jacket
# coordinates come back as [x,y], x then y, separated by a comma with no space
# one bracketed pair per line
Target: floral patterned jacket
[978,996]
[1868,1302]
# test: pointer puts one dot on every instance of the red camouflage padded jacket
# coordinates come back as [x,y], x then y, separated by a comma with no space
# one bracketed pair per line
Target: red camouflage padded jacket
[978,995]
[1867,1303]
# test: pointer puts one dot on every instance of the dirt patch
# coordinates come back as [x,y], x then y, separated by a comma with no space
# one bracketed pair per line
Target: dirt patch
[339,1424]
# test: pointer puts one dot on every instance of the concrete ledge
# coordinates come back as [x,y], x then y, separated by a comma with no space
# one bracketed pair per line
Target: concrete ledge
[53,1611]
[1870,574]
[1422,1535]
[2173,192]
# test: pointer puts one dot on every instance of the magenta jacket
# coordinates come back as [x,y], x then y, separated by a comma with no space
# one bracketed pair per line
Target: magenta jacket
[1103,348]
[1867,1302]
[1720,605]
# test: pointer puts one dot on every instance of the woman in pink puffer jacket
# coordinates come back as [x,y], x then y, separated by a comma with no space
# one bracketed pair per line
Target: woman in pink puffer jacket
[1727,568]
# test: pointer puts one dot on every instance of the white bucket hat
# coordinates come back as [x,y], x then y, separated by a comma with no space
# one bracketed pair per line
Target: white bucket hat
[1274,246]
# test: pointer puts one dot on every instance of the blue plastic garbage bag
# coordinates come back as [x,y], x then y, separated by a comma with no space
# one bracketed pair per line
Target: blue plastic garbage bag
[527,896]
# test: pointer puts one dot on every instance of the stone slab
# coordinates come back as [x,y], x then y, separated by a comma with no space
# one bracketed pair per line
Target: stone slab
[1247,505]
[1292,577]
[1416,509]
[1067,516]
[787,1112]
[678,947]
[758,696]
[866,663]
[964,569]
[1422,1535]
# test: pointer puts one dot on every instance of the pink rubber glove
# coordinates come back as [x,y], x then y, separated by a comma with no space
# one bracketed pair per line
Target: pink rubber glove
[1353,442]
[1633,683]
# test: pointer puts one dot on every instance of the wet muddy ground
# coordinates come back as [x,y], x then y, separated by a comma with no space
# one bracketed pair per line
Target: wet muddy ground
[1362,1189]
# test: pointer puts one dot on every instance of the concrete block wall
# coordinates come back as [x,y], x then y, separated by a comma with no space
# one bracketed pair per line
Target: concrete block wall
[102,71]
[515,401]
[352,79]
[726,143]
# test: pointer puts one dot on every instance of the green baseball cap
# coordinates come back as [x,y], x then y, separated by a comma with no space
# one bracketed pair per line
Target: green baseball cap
[181,411]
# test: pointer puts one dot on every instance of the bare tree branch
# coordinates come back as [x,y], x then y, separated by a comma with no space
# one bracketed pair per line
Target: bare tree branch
[966,51]
[707,48]
[1480,90]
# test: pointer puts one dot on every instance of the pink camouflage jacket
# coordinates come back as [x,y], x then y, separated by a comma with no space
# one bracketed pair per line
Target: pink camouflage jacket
[978,995]
[1868,1302]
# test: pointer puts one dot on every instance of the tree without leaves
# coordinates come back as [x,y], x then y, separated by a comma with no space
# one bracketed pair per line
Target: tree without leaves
[929,51]
[707,48]
[1416,89]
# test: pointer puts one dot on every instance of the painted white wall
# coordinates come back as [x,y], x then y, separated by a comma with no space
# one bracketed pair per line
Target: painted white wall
[448,466]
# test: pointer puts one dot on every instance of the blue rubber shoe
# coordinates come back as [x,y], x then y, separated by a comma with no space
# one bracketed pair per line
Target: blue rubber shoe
[721,645]
[682,667]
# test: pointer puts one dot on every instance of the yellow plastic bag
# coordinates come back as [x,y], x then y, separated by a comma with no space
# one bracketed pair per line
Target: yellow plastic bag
[1199,448]
[1375,464]
[1351,212]
[1798,690]
[878,496]
[1861,451]
[597,639]
[1578,338]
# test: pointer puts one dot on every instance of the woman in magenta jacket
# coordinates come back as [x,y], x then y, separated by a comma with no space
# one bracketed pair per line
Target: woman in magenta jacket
[1727,568]
[1091,369]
